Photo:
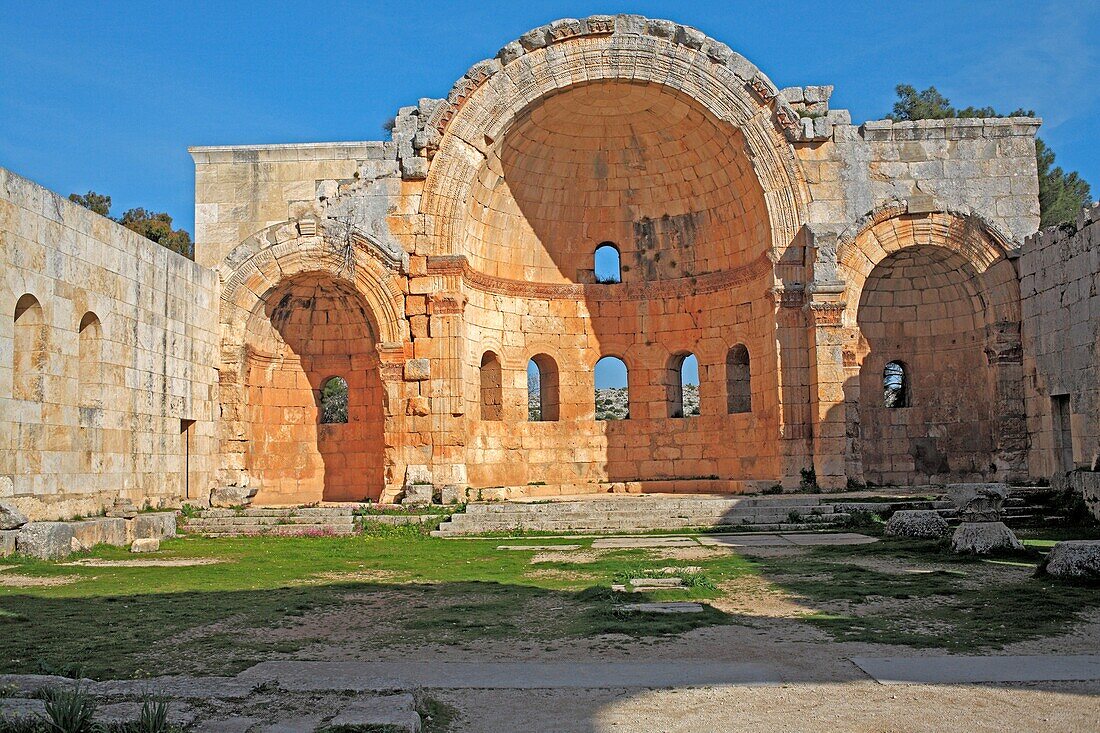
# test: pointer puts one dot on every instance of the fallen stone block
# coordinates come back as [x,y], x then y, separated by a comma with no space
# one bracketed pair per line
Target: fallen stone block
[11,517]
[7,542]
[919,523]
[390,711]
[228,497]
[120,713]
[17,708]
[159,525]
[1075,560]
[99,531]
[983,538]
[978,502]
[45,540]
[147,544]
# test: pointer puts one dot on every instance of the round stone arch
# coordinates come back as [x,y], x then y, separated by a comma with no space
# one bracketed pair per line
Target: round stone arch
[936,291]
[249,282]
[494,94]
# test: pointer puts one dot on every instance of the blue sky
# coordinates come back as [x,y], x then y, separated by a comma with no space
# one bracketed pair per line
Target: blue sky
[108,95]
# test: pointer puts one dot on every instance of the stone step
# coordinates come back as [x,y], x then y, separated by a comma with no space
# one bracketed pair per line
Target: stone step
[278,530]
[279,512]
[265,521]
[444,530]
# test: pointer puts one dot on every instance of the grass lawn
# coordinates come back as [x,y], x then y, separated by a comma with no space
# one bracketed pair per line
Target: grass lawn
[273,597]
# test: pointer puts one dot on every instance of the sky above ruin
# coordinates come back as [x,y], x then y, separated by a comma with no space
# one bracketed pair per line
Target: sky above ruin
[108,96]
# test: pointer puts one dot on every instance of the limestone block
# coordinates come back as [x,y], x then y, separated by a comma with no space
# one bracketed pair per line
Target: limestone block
[227,497]
[158,525]
[418,494]
[148,544]
[7,486]
[417,370]
[453,494]
[983,538]
[978,502]
[98,531]
[11,517]
[1075,560]
[417,475]
[7,542]
[923,523]
[45,540]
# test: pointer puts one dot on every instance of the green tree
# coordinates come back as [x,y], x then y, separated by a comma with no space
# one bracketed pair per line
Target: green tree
[1061,194]
[98,203]
[156,226]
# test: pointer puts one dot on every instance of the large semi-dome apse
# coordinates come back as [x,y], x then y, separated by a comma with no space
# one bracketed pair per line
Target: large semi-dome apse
[639,165]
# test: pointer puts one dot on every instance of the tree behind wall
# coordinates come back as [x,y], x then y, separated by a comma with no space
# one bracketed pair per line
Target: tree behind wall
[156,226]
[1061,194]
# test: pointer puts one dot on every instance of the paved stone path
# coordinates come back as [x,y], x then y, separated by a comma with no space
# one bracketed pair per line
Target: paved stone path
[376,676]
[379,676]
[953,670]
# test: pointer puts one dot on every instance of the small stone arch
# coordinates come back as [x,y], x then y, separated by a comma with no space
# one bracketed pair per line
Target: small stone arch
[953,273]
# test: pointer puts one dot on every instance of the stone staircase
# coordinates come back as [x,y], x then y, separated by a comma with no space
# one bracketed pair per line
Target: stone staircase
[303,521]
[774,513]
[626,513]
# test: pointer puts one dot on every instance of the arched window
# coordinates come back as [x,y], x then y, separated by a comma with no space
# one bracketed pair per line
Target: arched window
[612,389]
[491,402]
[90,356]
[682,386]
[542,389]
[334,401]
[895,385]
[607,265]
[29,352]
[738,384]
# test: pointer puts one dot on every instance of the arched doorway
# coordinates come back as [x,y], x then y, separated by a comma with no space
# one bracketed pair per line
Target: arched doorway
[307,439]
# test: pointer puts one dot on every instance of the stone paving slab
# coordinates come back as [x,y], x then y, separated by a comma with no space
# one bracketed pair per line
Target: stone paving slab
[801,540]
[540,548]
[668,607]
[15,708]
[226,725]
[838,538]
[395,711]
[387,676]
[963,669]
[620,543]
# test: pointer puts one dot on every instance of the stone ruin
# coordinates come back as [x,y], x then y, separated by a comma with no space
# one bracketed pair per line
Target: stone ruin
[868,303]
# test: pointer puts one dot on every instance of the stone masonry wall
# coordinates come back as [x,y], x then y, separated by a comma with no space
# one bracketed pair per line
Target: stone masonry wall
[1060,287]
[108,347]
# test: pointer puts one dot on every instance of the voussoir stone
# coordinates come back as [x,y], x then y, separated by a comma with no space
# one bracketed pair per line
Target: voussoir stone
[11,517]
[45,540]
[1075,559]
[920,523]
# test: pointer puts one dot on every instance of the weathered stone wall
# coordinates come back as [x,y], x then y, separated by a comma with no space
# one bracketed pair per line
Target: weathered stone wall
[107,350]
[738,221]
[1060,286]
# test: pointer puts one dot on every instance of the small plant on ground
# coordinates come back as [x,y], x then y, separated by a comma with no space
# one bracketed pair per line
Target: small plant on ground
[70,710]
[774,489]
[794,517]
[189,511]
